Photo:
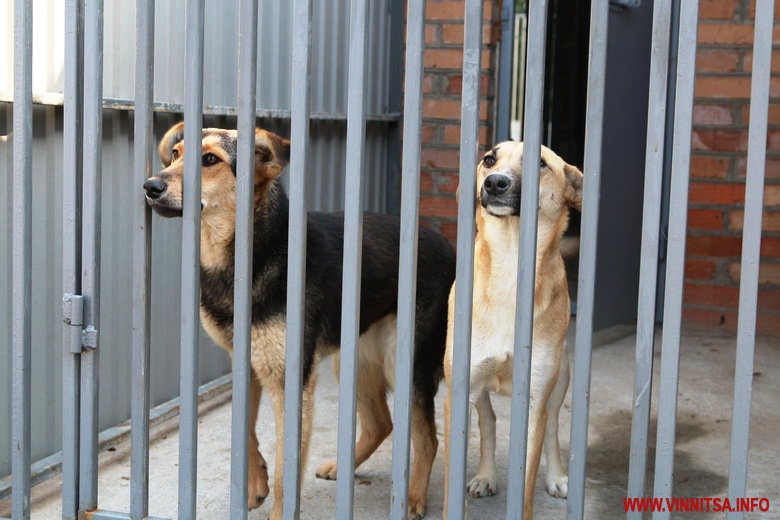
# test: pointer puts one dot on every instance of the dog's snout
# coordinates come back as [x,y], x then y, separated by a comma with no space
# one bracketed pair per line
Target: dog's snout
[155,187]
[496,184]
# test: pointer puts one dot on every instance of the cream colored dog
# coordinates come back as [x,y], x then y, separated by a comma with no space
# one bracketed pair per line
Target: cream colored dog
[495,285]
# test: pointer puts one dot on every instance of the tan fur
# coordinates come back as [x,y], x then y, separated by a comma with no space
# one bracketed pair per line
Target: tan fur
[495,286]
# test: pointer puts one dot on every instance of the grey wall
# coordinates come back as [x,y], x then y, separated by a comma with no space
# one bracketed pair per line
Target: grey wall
[325,189]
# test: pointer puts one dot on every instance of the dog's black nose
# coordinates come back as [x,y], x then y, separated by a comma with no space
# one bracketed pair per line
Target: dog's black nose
[496,184]
[155,187]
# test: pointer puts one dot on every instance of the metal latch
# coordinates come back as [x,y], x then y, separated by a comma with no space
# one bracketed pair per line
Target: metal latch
[73,315]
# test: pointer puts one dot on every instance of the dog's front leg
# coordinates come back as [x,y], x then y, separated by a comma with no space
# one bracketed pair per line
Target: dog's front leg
[484,483]
[307,409]
[258,469]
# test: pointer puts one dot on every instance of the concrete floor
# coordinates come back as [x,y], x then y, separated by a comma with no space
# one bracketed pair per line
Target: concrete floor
[703,434]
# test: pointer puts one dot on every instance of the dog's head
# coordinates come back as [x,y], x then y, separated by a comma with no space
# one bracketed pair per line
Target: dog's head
[499,179]
[218,158]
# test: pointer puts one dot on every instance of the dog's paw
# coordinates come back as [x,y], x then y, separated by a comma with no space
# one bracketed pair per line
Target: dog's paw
[257,485]
[416,509]
[558,486]
[482,486]
[327,470]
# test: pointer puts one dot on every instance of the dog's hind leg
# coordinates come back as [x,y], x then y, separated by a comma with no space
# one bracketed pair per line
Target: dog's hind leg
[425,446]
[557,480]
[375,420]
[484,483]
[258,469]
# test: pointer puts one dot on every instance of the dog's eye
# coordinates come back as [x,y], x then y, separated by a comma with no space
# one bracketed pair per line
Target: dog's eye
[210,159]
[489,161]
[542,164]
[175,154]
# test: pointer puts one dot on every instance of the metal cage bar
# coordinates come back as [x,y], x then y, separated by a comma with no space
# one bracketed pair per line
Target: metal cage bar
[71,248]
[678,207]
[526,258]
[90,253]
[242,282]
[651,230]
[21,258]
[142,220]
[352,270]
[296,250]
[586,285]
[190,263]
[505,72]
[407,259]
[751,251]
[464,269]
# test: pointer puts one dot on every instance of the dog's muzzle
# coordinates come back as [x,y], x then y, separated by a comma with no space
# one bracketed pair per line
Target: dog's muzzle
[500,195]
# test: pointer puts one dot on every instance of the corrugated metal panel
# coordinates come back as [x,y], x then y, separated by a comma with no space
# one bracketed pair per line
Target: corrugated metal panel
[329,41]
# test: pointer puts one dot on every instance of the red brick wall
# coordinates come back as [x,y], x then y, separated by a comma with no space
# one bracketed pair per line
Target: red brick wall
[441,105]
[717,188]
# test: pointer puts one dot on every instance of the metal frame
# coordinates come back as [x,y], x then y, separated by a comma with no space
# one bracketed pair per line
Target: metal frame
[83,105]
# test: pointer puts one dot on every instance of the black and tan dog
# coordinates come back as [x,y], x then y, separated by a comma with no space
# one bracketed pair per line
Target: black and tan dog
[436,271]
[496,247]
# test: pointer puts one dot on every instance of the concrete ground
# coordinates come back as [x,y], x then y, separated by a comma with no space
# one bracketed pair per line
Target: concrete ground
[703,436]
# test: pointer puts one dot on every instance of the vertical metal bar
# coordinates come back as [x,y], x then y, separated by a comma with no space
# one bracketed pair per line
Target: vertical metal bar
[678,203]
[21,285]
[395,94]
[505,69]
[71,261]
[751,251]
[190,263]
[142,168]
[407,263]
[594,122]
[464,269]
[651,215]
[242,308]
[529,202]
[353,241]
[90,254]
[296,260]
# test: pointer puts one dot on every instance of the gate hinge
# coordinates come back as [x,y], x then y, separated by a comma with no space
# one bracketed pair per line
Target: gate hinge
[89,337]
[73,309]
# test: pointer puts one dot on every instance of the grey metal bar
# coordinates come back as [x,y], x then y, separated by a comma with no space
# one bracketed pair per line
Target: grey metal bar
[505,71]
[353,241]
[751,251]
[296,260]
[142,169]
[21,258]
[407,262]
[90,252]
[594,122]
[529,203]
[71,260]
[464,269]
[242,283]
[113,515]
[190,263]
[651,215]
[678,204]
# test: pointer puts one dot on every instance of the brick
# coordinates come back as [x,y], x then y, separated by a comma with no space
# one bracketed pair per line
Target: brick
[747,62]
[719,33]
[438,206]
[718,9]
[717,60]
[700,269]
[444,58]
[768,274]
[454,84]
[711,193]
[449,230]
[772,170]
[445,10]
[770,247]
[709,294]
[712,115]
[432,34]
[719,140]
[717,246]
[772,195]
[722,87]
[428,135]
[439,159]
[703,317]
[773,115]
[769,222]
[438,182]
[442,108]
[452,33]
[705,219]
[709,167]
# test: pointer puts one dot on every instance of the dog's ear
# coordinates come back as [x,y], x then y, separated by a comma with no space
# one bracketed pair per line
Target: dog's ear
[573,192]
[169,140]
[272,154]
